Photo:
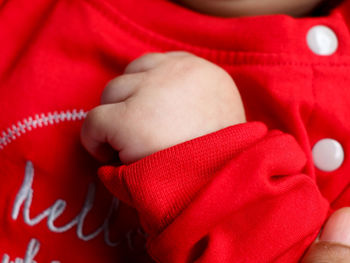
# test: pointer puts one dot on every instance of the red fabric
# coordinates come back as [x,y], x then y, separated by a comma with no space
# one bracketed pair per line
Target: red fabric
[246,198]
[214,200]
[249,193]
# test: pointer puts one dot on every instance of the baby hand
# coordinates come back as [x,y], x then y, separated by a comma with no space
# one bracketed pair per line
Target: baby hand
[161,100]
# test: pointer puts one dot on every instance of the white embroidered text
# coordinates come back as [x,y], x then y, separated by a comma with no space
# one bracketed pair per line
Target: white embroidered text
[32,250]
[25,196]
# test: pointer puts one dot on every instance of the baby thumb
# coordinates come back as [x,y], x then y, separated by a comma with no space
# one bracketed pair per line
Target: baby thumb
[334,243]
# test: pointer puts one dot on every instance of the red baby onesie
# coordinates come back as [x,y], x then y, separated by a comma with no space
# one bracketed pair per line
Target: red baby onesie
[248,193]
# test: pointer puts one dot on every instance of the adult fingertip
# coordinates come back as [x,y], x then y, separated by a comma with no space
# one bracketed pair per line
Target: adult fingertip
[337,228]
[333,245]
[327,252]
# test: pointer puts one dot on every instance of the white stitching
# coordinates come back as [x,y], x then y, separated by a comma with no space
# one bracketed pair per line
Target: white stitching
[32,250]
[16,130]
[25,197]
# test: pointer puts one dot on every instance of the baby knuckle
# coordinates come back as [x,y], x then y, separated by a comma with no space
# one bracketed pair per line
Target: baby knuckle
[94,116]
[190,59]
[145,62]
[179,54]
[90,125]
[150,55]
[116,83]
[187,65]
[106,94]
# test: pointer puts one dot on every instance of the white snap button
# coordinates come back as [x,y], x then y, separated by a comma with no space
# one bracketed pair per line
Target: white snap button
[328,155]
[322,40]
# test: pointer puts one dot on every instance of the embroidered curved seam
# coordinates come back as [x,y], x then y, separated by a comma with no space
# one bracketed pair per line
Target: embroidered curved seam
[38,121]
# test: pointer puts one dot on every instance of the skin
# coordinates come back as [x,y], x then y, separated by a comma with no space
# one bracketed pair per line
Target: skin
[333,245]
[161,100]
[236,8]
[166,99]
[135,110]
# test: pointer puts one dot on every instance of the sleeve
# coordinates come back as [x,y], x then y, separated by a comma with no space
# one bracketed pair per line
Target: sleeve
[237,195]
